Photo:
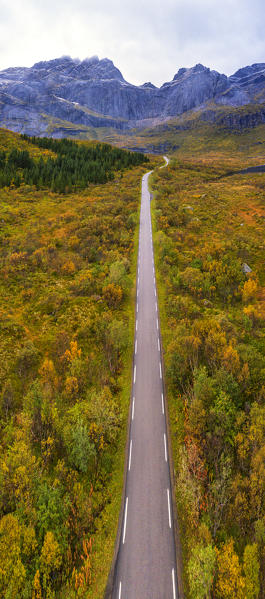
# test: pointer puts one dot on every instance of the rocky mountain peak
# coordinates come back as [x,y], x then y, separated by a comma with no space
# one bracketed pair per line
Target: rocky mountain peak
[199,68]
[54,64]
[149,84]
[179,73]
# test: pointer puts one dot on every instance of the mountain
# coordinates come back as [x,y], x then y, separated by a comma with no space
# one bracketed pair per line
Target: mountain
[66,96]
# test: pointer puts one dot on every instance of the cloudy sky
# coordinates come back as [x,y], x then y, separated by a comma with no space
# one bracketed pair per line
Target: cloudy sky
[148,40]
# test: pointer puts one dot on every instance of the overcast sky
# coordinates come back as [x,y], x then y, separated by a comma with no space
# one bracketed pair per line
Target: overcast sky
[148,40]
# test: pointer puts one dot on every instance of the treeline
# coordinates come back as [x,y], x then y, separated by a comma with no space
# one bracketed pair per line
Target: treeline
[74,167]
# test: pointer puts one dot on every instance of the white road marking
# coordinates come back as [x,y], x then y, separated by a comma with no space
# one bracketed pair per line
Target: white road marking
[165,444]
[135,349]
[158,344]
[160,370]
[169,512]
[133,409]
[125,521]
[136,325]
[138,281]
[137,307]
[130,456]
[157,323]
[156,306]
[162,400]
[134,378]
[137,291]
[155,291]
[120,591]
[173,583]
[154,280]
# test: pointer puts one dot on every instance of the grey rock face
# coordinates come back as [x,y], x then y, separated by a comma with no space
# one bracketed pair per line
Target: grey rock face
[93,93]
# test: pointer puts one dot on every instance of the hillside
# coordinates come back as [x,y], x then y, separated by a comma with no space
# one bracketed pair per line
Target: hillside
[66,322]
[66,97]
[209,241]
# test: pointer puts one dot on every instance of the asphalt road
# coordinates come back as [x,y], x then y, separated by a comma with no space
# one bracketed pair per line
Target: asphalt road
[146,563]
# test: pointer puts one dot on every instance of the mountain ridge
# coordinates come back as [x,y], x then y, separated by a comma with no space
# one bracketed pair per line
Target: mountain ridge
[94,93]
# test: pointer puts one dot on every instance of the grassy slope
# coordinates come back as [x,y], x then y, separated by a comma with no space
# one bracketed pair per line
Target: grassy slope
[201,217]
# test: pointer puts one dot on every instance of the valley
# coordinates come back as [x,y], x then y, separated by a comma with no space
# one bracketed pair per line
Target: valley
[89,275]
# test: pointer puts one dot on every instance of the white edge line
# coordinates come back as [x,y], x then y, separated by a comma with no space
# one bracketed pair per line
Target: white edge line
[158,344]
[165,444]
[155,291]
[136,324]
[173,583]
[134,377]
[130,456]
[160,370]
[133,409]
[162,400]
[135,350]
[125,520]
[168,505]
[120,591]
[157,323]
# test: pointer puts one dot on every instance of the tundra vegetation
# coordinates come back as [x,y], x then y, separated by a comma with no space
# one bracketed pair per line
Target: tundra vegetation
[209,240]
[66,326]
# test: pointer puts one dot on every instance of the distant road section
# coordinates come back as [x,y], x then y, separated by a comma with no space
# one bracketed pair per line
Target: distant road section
[146,563]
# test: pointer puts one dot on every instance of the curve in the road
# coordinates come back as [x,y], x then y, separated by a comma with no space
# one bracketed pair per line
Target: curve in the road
[146,561]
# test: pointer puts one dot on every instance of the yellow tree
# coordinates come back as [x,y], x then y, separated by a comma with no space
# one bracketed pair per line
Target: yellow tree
[230,583]
[12,571]
[251,570]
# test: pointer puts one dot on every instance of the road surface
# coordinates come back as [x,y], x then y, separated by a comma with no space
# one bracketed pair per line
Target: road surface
[146,562]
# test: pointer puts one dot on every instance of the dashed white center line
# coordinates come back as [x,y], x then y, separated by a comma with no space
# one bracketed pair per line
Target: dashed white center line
[120,591]
[162,400]
[130,456]
[168,505]
[160,370]
[158,344]
[133,409]
[157,323]
[135,349]
[173,583]
[165,445]
[134,378]
[125,521]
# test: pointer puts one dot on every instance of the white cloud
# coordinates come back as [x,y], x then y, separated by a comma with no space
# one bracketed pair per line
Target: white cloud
[147,41]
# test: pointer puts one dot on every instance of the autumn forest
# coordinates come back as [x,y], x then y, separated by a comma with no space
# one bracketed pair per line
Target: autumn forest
[66,318]
[69,239]
[210,258]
